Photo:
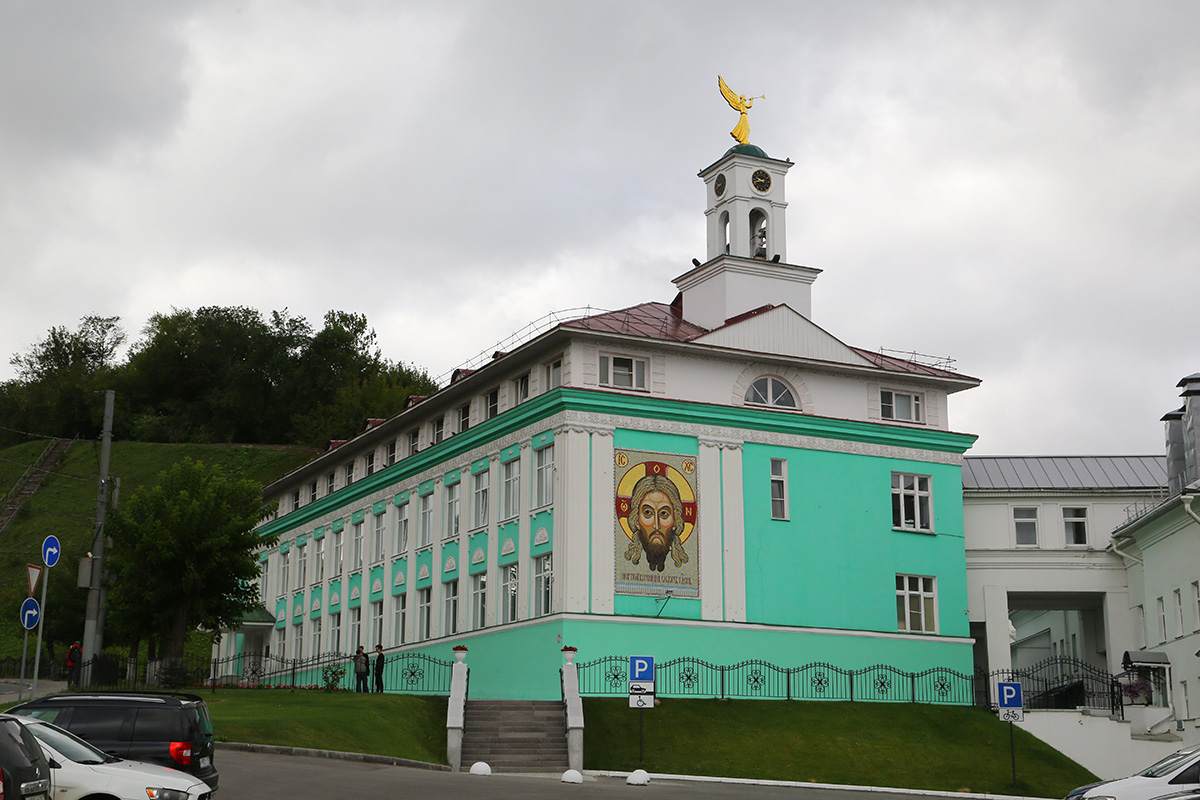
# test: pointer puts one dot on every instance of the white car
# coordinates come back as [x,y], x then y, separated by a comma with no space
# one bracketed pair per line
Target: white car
[78,771]
[1177,772]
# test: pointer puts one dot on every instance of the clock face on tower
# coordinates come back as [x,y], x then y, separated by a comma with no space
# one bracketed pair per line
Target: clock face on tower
[719,184]
[761,180]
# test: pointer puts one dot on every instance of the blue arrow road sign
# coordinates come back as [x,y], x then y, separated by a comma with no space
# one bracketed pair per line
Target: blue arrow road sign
[641,668]
[29,613]
[51,550]
[1009,695]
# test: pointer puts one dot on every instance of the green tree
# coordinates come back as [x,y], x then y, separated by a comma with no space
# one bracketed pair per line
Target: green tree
[183,554]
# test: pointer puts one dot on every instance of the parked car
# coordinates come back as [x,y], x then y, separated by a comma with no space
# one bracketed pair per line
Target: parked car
[24,771]
[1176,773]
[173,730]
[79,771]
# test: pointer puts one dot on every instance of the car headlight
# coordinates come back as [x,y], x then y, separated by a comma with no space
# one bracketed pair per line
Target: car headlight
[165,794]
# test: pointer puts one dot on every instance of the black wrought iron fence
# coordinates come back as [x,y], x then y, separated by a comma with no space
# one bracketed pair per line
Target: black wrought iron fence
[408,673]
[693,677]
[1061,682]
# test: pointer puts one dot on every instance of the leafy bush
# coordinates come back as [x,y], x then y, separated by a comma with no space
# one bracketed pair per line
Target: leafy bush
[332,676]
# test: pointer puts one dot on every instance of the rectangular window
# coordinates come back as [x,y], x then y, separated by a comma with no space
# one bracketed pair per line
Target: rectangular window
[1139,627]
[401,529]
[295,500]
[1025,526]
[554,374]
[376,624]
[414,442]
[379,540]
[335,633]
[479,499]
[510,489]
[355,628]
[1162,620]
[281,643]
[301,567]
[390,453]
[349,474]
[911,500]
[425,529]
[283,574]
[337,553]
[312,491]
[371,463]
[464,417]
[399,619]
[1075,526]
[916,604]
[262,581]
[779,489]
[543,476]
[1178,612]
[521,389]
[439,430]
[423,612]
[509,585]
[356,547]
[543,586]
[319,561]
[1196,604]
[450,608]
[492,401]
[330,483]
[902,406]
[298,638]
[452,507]
[316,636]
[478,601]
[623,372]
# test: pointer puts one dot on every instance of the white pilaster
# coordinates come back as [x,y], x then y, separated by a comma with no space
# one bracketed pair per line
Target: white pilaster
[602,530]
[572,522]
[524,562]
[995,618]
[734,570]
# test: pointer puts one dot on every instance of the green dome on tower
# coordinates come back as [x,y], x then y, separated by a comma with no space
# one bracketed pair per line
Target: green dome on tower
[748,150]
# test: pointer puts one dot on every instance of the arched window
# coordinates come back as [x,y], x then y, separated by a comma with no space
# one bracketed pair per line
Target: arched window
[758,233]
[768,391]
[725,229]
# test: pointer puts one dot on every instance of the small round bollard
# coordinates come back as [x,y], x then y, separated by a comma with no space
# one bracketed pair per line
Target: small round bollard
[572,776]
[480,768]
[639,777]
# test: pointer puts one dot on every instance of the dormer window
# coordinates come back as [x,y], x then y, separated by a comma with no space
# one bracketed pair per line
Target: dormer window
[769,391]
[623,372]
[900,406]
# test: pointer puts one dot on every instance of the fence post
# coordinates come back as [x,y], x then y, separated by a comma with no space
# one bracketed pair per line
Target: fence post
[852,687]
[788,673]
[912,686]
[293,674]
[212,677]
[723,682]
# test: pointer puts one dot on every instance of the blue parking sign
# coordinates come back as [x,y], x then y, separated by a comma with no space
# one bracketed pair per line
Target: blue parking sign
[1009,695]
[641,668]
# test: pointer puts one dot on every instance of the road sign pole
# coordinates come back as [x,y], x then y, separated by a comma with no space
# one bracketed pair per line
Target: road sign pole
[1012,749]
[24,653]
[642,736]
[37,658]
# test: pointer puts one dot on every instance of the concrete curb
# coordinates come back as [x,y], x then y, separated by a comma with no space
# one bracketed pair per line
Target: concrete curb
[807,785]
[368,758]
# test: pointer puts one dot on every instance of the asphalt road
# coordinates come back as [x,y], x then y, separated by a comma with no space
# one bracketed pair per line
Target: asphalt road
[261,776]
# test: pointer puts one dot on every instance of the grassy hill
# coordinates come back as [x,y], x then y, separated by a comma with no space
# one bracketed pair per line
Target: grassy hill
[66,507]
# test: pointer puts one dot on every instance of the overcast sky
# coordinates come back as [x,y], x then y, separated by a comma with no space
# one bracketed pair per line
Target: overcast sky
[1015,185]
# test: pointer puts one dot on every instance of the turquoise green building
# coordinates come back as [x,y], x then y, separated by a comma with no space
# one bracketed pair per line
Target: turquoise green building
[716,477]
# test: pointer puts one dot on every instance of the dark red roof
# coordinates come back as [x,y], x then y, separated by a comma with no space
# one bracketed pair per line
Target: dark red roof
[908,365]
[648,320]
[371,423]
[335,443]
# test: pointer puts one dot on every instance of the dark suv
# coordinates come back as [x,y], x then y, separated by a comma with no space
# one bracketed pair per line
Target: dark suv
[24,771]
[169,729]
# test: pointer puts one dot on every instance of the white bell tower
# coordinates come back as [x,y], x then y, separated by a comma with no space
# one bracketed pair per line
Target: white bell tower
[747,264]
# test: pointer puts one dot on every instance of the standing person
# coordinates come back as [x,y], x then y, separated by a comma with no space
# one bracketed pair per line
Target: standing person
[379,668]
[74,656]
[362,667]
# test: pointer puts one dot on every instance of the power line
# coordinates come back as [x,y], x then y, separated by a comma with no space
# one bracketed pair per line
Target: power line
[29,433]
[48,472]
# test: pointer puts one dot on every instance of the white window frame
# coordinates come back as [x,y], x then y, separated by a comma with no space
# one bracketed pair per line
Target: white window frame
[890,403]
[480,486]
[301,566]
[554,374]
[312,491]
[619,371]
[296,500]
[543,585]
[338,552]
[1139,627]
[376,624]
[330,483]
[379,538]
[439,430]
[464,417]
[777,395]
[779,489]
[315,636]
[1162,619]
[425,524]
[1196,604]
[521,389]
[424,612]
[355,629]
[491,402]
[920,493]
[924,589]
[319,560]
[298,637]
[348,473]
[1178,613]
[543,476]
[370,463]
[399,619]
[1025,520]
[510,489]
[1074,525]
[284,558]
[281,643]
[335,632]
[478,601]
[414,441]
[356,546]
[450,607]
[402,528]
[453,510]
[390,453]
[510,588]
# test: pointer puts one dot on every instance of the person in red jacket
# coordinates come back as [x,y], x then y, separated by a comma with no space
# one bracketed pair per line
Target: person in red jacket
[74,656]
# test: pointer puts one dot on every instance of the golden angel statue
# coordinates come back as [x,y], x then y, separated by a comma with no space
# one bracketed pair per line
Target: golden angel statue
[741,104]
